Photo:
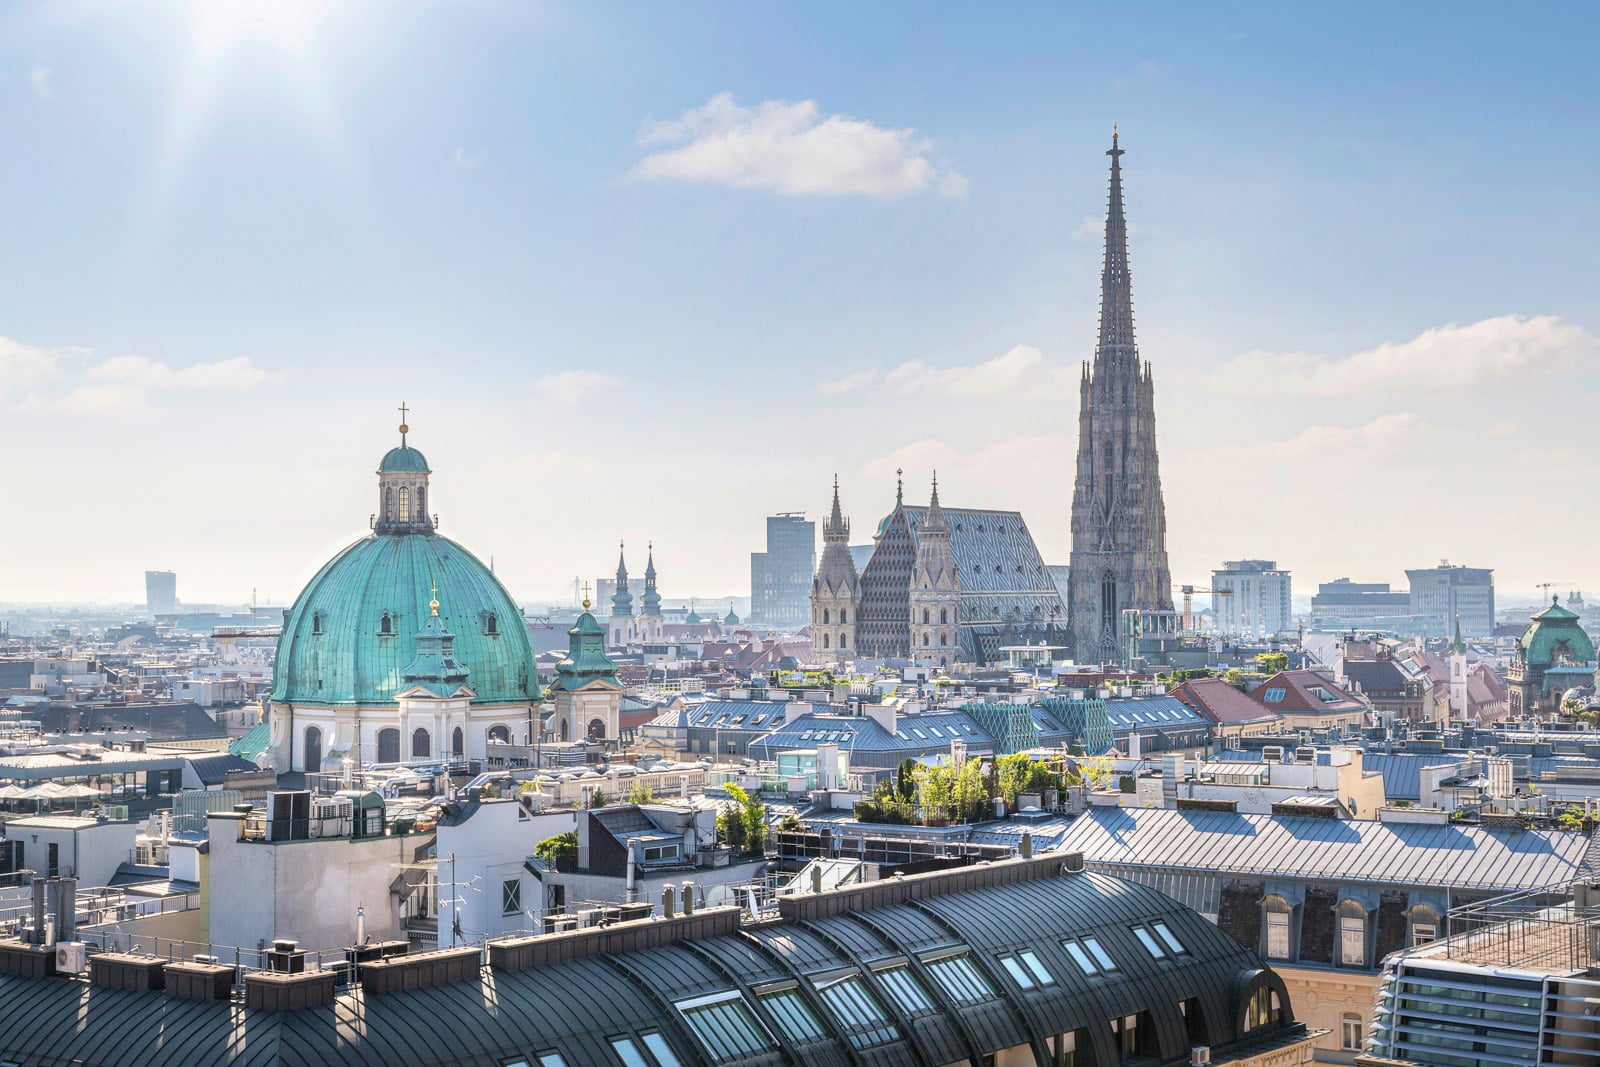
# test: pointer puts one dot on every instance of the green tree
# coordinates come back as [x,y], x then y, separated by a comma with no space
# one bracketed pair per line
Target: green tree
[972,792]
[938,786]
[1273,662]
[742,822]
[598,799]
[560,851]
[640,793]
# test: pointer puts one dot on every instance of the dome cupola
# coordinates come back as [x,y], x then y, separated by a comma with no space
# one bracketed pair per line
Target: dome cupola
[403,489]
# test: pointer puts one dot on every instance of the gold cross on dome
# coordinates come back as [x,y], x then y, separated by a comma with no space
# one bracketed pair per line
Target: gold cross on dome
[404,429]
[585,596]
[433,605]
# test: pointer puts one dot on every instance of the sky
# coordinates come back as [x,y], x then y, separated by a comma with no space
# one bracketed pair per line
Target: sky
[652,272]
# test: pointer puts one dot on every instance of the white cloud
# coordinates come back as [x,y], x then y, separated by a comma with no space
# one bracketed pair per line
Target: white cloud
[1018,368]
[39,78]
[470,160]
[1446,357]
[918,457]
[1321,442]
[793,149]
[1092,227]
[570,386]
[22,367]
[237,375]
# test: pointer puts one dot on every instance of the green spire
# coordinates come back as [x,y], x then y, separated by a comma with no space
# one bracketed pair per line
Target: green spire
[435,666]
[586,660]
[622,600]
[1458,645]
[651,598]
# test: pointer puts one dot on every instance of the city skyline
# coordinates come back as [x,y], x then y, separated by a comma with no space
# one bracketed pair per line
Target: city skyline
[1361,315]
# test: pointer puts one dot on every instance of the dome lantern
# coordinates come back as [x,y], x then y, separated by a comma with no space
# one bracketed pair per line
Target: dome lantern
[403,489]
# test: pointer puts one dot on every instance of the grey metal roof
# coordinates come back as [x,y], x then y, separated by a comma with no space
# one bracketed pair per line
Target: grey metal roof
[576,1007]
[1460,857]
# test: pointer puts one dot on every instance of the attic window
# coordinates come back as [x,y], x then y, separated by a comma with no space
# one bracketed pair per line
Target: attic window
[386,624]
[1002,531]
[316,622]
[980,527]
[491,624]
[1274,695]
[958,527]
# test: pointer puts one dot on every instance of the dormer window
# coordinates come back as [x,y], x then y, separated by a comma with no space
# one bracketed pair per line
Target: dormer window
[316,622]
[386,625]
[491,624]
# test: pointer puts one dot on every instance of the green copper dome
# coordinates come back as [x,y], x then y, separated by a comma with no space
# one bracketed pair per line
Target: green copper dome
[351,634]
[404,458]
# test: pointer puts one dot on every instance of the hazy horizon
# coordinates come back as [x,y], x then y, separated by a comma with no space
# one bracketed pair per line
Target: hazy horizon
[652,274]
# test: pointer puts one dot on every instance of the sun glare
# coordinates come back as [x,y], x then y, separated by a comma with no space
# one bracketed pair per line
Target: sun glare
[220,24]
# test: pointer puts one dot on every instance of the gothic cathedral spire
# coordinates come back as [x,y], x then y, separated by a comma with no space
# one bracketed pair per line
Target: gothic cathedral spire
[1119,526]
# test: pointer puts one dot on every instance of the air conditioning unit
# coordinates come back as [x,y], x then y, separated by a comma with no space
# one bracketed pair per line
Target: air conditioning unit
[201,957]
[1200,1056]
[71,957]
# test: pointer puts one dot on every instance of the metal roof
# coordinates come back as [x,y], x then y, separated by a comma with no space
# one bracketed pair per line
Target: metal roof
[1363,850]
[577,1007]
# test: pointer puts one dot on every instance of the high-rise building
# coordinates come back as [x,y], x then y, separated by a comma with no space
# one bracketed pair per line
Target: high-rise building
[161,592]
[1251,598]
[1344,605]
[1443,595]
[780,577]
[1119,523]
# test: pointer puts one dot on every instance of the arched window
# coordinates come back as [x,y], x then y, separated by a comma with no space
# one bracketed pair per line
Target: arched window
[458,745]
[924,616]
[313,749]
[1352,934]
[597,730]
[386,624]
[405,504]
[500,734]
[389,746]
[927,641]
[1276,914]
[566,732]
[1108,603]
[388,503]
[421,744]
[825,618]
[316,622]
[844,640]
[824,640]
[1351,1032]
[944,637]
[944,616]
[1424,924]
[844,616]
[491,624]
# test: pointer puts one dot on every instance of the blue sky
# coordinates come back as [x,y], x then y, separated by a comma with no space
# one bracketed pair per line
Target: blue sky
[653,271]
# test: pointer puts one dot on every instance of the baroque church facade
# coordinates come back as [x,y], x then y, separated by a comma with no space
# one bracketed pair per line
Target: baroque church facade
[1119,522]
[624,628]
[941,585]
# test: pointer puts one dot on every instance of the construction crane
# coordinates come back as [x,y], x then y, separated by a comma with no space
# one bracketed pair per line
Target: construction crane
[1547,586]
[1188,592]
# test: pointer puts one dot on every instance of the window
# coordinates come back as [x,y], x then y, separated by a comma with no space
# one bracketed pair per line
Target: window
[389,746]
[944,616]
[1026,970]
[316,622]
[1351,1032]
[500,734]
[551,1059]
[1274,695]
[405,504]
[905,990]
[793,1016]
[724,1024]
[421,744]
[386,624]
[1169,938]
[924,616]
[654,853]
[962,981]
[1352,934]
[1151,945]
[491,624]
[1422,933]
[824,640]
[1278,930]
[844,640]
[859,1015]
[844,617]
[825,618]
[511,896]
[1064,1048]
[1089,956]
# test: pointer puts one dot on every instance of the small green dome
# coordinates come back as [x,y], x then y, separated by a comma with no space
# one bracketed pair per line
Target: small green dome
[404,458]
[352,632]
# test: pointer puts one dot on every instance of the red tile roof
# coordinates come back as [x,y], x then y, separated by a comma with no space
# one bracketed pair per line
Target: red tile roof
[1222,703]
[1304,692]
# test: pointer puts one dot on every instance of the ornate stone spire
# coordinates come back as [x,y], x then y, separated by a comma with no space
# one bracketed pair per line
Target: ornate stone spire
[652,599]
[838,527]
[622,600]
[899,487]
[934,521]
[1116,347]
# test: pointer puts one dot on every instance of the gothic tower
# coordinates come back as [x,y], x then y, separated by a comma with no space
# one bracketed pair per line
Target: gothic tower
[621,602]
[650,626]
[1119,524]
[834,591]
[883,609]
[935,598]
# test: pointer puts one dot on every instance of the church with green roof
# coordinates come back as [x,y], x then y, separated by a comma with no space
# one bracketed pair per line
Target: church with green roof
[403,647]
[1553,655]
